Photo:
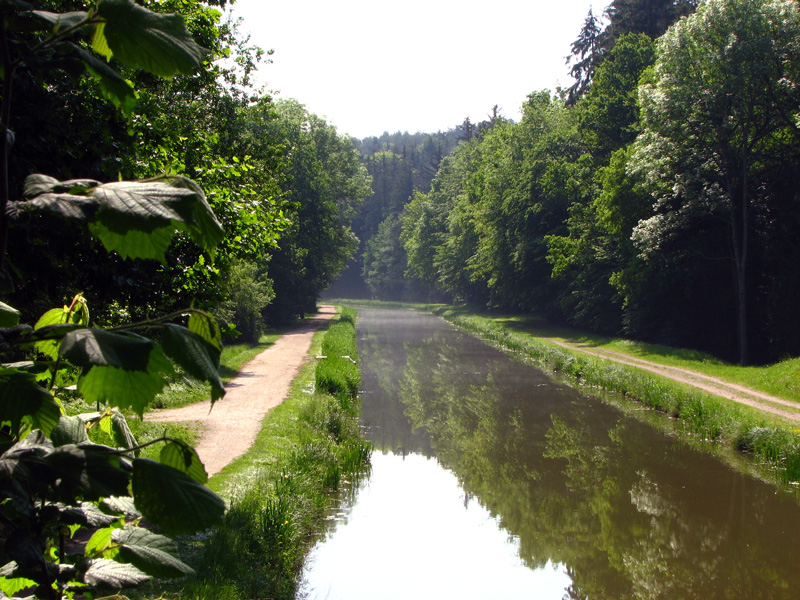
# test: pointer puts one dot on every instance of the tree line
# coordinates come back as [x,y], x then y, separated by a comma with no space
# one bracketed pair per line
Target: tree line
[656,198]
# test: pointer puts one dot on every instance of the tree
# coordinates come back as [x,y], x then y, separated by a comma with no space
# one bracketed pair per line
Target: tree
[609,113]
[54,481]
[586,54]
[385,261]
[719,121]
[650,17]
[325,182]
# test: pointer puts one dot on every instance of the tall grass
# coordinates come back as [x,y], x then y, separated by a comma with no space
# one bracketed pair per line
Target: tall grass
[337,370]
[279,492]
[770,440]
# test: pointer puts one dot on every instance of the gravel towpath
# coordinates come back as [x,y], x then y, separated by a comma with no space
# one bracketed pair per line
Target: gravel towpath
[714,385]
[231,427]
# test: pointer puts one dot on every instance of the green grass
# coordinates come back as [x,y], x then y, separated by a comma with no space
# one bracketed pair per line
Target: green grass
[337,373]
[781,379]
[774,442]
[309,448]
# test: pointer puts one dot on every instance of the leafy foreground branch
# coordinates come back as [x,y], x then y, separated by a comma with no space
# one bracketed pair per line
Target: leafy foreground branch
[71,511]
[770,441]
[309,450]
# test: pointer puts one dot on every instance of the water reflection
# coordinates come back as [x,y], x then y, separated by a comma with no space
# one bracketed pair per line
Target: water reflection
[569,480]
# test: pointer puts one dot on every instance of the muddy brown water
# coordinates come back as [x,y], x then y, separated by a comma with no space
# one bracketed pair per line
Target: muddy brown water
[491,481]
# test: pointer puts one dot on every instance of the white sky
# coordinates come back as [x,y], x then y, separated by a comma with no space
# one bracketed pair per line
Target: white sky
[369,66]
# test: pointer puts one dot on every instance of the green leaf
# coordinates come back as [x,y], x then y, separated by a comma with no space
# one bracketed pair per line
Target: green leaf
[99,347]
[61,21]
[114,87]
[100,43]
[204,325]
[22,399]
[152,553]
[120,505]
[99,542]
[11,585]
[8,316]
[88,471]
[88,515]
[121,431]
[68,206]
[137,219]
[124,388]
[143,39]
[198,219]
[144,206]
[38,184]
[173,500]
[122,369]
[184,458]
[79,315]
[135,244]
[110,573]
[70,430]
[195,355]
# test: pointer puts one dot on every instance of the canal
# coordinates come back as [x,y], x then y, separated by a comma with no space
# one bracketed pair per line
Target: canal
[489,481]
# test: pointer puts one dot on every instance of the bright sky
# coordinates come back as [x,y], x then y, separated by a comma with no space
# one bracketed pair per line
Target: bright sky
[369,66]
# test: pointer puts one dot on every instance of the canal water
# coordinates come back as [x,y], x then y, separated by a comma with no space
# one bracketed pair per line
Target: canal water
[489,481]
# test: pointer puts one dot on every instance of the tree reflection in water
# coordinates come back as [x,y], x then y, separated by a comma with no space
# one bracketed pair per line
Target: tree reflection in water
[631,512]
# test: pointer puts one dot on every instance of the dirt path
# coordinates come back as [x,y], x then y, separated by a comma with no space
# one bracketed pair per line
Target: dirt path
[231,427]
[713,385]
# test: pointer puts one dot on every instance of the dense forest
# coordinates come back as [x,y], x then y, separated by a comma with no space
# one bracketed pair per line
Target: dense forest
[656,198]
[282,181]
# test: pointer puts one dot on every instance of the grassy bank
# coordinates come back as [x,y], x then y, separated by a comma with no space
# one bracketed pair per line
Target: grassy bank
[772,441]
[279,492]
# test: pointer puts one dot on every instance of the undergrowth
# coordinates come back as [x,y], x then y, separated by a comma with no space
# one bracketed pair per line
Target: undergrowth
[770,440]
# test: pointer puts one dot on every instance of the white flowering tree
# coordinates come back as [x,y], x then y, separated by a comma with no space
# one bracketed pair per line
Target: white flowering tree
[719,115]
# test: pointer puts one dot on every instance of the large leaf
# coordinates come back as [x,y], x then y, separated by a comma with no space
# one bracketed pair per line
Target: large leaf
[70,430]
[173,500]
[115,425]
[98,347]
[9,316]
[22,399]
[88,471]
[184,458]
[120,505]
[126,205]
[195,355]
[199,219]
[204,325]
[137,219]
[113,86]
[61,21]
[123,388]
[141,38]
[38,184]
[78,314]
[136,244]
[11,585]
[103,572]
[152,553]
[86,514]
